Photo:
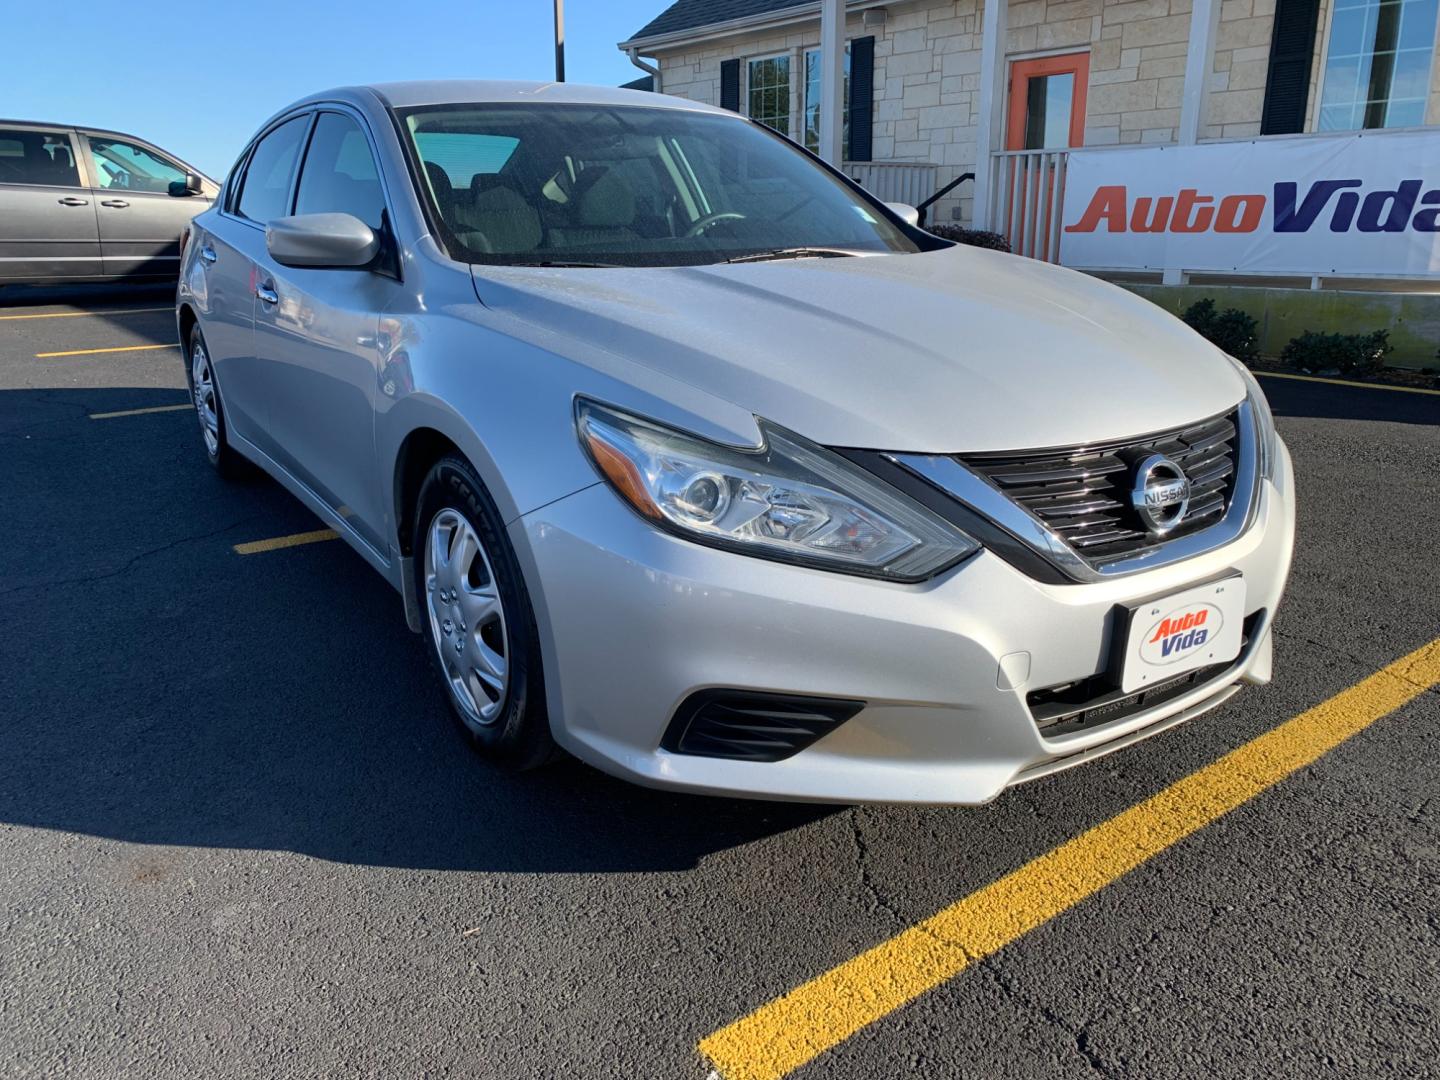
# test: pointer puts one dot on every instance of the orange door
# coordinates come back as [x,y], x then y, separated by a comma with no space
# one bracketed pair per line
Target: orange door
[1047,112]
[1047,102]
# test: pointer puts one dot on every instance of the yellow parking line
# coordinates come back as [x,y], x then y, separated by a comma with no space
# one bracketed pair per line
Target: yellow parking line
[792,1030]
[92,352]
[139,412]
[255,547]
[81,314]
[1345,382]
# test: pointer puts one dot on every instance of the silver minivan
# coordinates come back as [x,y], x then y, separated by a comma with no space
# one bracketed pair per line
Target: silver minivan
[83,204]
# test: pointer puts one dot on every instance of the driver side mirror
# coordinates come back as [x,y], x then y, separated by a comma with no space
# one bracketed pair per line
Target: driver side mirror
[191,185]
[322,241]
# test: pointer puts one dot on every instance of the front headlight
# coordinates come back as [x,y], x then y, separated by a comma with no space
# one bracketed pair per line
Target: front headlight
[790,500]
[1265,434]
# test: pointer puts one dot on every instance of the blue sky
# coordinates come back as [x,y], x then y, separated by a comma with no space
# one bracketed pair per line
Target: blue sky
[197,79]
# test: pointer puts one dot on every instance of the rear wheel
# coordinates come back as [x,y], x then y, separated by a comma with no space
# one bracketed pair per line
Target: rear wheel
[206,397]
[478,619]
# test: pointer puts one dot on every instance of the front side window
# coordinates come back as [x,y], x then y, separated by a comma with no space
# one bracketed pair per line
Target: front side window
[339,175]
[767,92]
[1377,67]
[628,185]
[125,166]
[37,157]
[265,188]
[812,101]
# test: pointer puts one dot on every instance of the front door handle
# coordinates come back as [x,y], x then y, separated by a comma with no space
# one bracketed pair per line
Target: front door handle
[208,254]
[71,200]
[267,293]
[118,204]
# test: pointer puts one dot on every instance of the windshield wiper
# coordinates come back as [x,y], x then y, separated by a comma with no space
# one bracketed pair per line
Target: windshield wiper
[567,263]
[793,253]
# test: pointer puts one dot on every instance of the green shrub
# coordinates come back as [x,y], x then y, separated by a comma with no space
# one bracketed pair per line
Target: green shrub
[1349,354]
[974,237]
[1230,330]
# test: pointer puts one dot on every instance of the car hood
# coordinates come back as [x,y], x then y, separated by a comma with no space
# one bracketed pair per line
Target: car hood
[940,352]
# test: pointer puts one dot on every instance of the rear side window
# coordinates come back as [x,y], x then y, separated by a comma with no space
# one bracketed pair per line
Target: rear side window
[265,190]
[37,157]
[339,175]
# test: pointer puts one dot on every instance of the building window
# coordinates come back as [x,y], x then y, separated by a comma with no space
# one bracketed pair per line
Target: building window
[1377,68]
[767,92]
[812,100]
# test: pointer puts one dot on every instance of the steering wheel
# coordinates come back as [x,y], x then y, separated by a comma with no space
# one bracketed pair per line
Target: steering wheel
[700,227]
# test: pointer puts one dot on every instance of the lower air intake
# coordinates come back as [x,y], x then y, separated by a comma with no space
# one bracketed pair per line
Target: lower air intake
[746,725]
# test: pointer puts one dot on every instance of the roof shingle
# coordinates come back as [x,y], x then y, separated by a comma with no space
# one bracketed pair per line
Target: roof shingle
[691,14]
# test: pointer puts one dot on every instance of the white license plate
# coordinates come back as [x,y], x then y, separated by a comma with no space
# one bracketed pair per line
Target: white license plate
[1184,631]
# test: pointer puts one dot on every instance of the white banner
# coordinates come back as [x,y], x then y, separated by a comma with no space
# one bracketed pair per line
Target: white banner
[1362,204]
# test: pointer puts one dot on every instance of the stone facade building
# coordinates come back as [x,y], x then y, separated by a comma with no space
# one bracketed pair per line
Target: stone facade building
[1063,73]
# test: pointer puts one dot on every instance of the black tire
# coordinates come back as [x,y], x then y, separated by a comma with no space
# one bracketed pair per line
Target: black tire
[518,735]
[223,459]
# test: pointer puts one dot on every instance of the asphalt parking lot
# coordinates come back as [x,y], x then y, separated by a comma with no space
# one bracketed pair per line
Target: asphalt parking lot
[240,836]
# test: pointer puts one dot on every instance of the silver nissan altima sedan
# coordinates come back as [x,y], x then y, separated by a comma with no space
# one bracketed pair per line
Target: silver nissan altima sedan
[690,456]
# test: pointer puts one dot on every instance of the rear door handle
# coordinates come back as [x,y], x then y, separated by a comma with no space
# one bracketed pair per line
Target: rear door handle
[118,204]
[71,200]
[208,254]
[267,293]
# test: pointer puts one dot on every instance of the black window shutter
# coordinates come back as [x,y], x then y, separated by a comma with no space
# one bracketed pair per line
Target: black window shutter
[862,97]
[730,85]
[1287,82]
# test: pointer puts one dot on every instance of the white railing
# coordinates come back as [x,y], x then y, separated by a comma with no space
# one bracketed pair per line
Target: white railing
[1028,192]
[894,181]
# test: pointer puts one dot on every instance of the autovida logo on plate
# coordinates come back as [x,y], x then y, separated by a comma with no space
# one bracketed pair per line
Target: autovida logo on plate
[1180,633]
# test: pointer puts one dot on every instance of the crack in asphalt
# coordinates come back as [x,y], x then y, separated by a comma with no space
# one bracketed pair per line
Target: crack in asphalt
[1080,1034]
[1363,662]
[129,564]
[1302,639]
[867,883]
[82,410]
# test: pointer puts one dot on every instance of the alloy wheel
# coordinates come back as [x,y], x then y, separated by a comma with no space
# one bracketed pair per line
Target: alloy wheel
[467,618]
[203,383]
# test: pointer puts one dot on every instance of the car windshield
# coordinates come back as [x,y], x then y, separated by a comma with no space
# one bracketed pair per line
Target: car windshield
[631,186]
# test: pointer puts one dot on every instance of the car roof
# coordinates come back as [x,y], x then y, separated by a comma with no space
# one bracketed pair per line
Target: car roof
[46,125]
[404,95]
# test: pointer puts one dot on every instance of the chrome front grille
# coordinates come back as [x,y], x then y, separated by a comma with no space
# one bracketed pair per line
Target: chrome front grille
[1082,494]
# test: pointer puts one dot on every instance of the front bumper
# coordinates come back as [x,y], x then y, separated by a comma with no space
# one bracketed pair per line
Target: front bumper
[633,620]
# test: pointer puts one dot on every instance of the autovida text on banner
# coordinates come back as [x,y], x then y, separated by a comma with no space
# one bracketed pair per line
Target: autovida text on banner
[1363,203]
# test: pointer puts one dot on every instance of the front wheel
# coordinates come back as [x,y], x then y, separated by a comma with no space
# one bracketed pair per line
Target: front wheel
[477,618]
[205,396]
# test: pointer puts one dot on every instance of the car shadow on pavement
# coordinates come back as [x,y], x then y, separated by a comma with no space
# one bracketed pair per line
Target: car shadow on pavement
[95,296]
[158,688]
[1319,401]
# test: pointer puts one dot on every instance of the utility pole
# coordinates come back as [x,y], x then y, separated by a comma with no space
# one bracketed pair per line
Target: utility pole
[559,40]
[832,80]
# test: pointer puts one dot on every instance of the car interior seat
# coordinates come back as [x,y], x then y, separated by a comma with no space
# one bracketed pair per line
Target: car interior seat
[442,187]
[496,219]
[604,211]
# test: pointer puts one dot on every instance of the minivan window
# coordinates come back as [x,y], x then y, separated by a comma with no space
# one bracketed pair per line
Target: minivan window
[265,190]
[37,157]
[339,174]
[128,167]
[629,185]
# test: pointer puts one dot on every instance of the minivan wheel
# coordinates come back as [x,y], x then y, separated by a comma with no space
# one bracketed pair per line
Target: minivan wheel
[206,398]
[476,614]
